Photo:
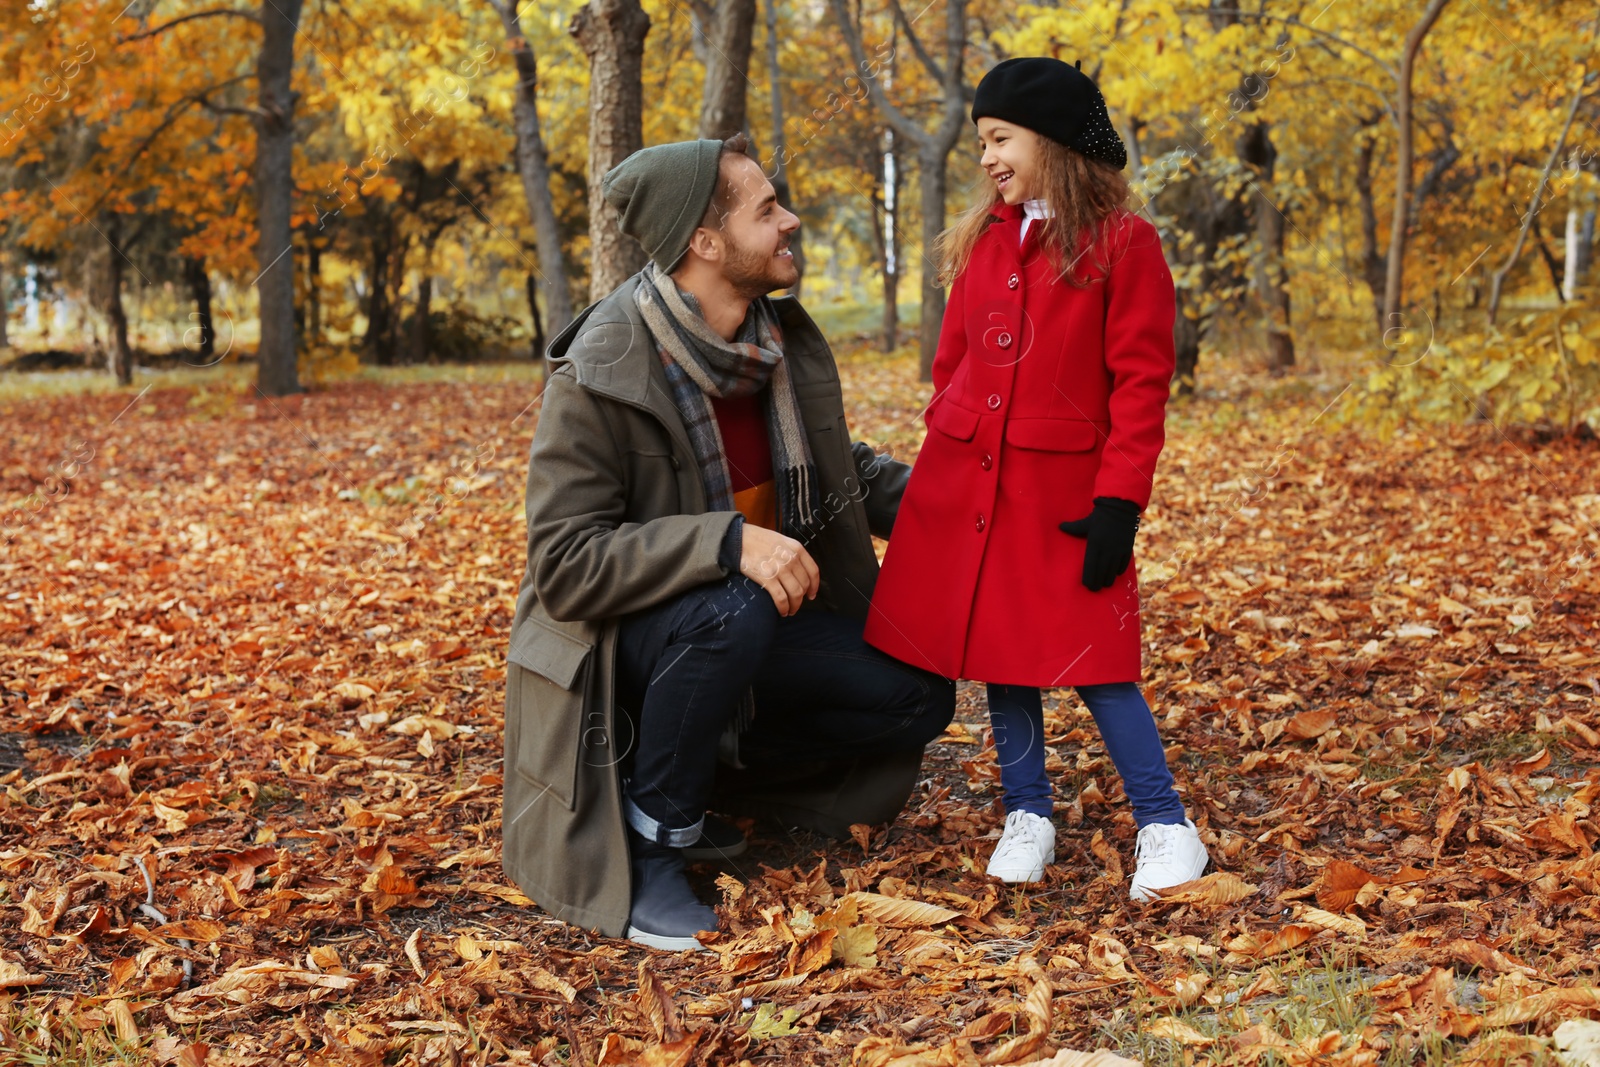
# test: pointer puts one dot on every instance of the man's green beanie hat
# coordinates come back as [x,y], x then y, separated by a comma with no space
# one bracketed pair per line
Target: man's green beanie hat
[661,194]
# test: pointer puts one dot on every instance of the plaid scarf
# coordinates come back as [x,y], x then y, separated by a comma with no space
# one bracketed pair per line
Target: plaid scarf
[700,365]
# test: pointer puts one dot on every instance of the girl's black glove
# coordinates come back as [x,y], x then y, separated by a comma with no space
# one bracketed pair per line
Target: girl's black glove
[1109,531]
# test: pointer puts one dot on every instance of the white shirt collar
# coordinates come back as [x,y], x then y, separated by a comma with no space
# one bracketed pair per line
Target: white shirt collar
[1036,209]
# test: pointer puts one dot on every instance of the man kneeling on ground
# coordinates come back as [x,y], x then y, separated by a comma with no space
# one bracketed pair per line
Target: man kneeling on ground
[700,561]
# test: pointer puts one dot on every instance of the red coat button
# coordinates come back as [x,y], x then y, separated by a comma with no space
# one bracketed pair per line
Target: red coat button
[1012,282]
[994,401]
[1004,340]
[979,524]
[986,462]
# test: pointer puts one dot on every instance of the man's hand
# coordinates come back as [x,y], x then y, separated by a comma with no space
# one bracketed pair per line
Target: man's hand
[780,565]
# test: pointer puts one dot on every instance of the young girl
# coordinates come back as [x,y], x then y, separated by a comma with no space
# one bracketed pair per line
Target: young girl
[1011,557]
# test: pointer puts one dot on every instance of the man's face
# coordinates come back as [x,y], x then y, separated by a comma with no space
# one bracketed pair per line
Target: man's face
[756,232]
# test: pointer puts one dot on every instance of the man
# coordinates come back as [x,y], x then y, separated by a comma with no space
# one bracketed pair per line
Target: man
[700,564]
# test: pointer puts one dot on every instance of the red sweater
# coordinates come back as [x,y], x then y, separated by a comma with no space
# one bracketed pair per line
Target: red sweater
[743,423]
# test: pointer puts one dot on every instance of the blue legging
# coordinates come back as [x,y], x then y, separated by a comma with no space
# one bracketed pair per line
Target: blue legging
[1016,713]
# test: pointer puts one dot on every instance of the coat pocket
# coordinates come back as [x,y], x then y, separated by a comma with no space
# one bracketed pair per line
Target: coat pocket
[548,652]
[954,421]
[1053,435]
[546,708]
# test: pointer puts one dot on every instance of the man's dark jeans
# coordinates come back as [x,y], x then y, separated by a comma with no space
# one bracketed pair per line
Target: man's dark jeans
[822,695]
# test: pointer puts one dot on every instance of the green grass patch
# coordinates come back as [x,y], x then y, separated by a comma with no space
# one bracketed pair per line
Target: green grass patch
[840,322]
[216,387]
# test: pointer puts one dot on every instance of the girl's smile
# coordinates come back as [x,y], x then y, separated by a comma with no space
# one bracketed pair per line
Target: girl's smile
[1010,155]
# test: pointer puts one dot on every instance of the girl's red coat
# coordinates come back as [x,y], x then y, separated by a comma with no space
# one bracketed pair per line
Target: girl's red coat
[1045,397]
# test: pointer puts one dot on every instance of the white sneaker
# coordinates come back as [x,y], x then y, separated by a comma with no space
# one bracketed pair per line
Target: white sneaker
[1168,854]
[1026,846]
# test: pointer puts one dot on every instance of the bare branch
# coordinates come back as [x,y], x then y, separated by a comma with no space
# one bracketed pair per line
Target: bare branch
[1497,280]
[955,87]
[916,45]
[706,13]
[903,125]
[233,12]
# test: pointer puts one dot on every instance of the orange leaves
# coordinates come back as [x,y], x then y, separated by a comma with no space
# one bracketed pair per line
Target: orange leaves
[655,1003]
[317,792]
[1327,920]
[242,989]
[14,974]
[1215,890]
[1187,651]
[1260,944]
[894,911]
[1540,1007]
[1341,884]
[1426,1002]
[1310,724]
[1033,1016]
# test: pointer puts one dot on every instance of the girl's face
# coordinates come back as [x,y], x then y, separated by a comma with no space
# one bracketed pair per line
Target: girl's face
[1011,158]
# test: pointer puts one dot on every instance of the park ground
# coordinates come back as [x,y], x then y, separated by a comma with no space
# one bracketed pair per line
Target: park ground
[252,656]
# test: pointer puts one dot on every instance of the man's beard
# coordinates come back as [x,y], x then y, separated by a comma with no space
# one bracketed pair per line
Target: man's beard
[754,273]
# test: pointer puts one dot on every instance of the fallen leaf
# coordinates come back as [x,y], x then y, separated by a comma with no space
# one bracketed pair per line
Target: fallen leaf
[896,911]
[1309,724]
[1175,1030]
[11,975]
[1327,920]
[1340,884]
[1577,1043]
[413,954]
[1217,889]
[1262,943]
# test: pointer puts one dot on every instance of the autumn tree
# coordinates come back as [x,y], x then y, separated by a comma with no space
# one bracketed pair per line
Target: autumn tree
[728,27]
[777,161]
[932,146]
[612,34]
[533,167]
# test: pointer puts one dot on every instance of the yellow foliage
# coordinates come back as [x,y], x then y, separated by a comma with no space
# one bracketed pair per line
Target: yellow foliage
[324,363]
[1536,368]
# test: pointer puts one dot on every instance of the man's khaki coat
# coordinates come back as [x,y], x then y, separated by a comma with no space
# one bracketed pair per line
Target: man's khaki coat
[617,522]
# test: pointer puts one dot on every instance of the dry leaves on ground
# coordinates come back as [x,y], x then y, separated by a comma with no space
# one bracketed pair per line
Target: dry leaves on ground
[252,700]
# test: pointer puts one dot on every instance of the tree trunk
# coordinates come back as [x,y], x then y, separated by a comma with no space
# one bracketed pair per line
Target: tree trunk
[397,281]
[882,250]
[780,146]
[538,323]
[1186,341]
[276,370]
[1257,151]
[533,167]
[1497,280]
[893,260]
[1394,275]
[314,296]
[885,217]
[1585,244]
[421,333]
[931,179]
[5,308]
[612,34]
[722,107]
[194,270]
[933,149]
[121,355]
[378,309]
[1550,261]
[1569,272]
[1372,264]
